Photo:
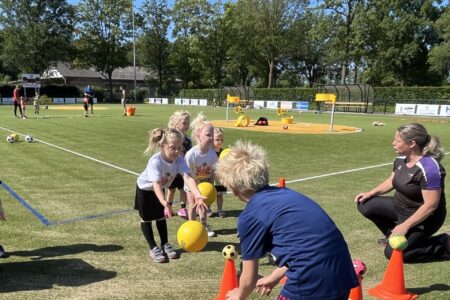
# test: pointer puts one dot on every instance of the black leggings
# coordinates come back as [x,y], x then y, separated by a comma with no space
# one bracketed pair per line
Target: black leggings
[17,105]
[422,246]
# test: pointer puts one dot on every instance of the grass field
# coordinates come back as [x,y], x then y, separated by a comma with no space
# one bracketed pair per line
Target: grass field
[82,240]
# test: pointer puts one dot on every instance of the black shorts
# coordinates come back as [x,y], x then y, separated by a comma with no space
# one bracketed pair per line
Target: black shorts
[177,183]
[90,100]
[148,205]
[220,188]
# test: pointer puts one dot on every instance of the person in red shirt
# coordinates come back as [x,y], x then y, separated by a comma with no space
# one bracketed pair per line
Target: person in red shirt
[16,101]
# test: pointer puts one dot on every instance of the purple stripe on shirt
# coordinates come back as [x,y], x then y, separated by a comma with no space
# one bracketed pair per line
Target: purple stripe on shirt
[431,172]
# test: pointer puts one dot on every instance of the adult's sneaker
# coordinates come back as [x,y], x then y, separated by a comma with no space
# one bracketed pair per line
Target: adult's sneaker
[183,213]
[157,255]
[171,254]
[3,253]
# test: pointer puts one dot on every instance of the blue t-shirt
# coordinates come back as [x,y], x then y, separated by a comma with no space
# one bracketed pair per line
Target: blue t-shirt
[89,92]
[301,236]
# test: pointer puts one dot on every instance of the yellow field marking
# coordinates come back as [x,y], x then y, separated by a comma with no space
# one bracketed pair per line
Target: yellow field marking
[294,128]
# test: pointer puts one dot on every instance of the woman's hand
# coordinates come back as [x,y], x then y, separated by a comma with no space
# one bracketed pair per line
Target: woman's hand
[362,197]
[400,229]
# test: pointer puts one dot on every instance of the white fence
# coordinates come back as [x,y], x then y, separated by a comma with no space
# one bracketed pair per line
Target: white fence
[422,109]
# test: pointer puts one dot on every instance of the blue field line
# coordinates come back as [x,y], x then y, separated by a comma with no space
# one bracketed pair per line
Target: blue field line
[73,220]
[26,204]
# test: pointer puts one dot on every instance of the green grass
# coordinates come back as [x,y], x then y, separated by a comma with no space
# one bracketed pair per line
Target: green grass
[107,258]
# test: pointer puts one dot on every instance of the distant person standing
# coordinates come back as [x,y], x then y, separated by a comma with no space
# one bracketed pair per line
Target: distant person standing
[89,95]
[36,104]
[16,101]
[23,105]
[123,99]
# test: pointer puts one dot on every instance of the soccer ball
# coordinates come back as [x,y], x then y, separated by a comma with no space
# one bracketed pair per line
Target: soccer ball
[229,252]
[29,138]
[285,127]
[10,139]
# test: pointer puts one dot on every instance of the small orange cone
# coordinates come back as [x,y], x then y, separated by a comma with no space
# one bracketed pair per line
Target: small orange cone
[356,292]
[282,183]
[229,280]
[283,280]
[393,285]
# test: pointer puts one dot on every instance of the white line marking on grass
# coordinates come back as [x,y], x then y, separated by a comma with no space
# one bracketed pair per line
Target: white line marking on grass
[78,154]
[342,172]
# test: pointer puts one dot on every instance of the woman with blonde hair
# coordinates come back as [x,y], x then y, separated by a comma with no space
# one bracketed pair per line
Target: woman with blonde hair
[418,208]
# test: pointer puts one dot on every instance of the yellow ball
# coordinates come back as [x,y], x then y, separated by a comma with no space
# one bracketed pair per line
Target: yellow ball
[224,153]
[192,236]
[15,137]
[229,252]
[398,242]
[209,191]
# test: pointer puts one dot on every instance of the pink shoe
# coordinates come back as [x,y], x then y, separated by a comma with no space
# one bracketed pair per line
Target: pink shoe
[183,213]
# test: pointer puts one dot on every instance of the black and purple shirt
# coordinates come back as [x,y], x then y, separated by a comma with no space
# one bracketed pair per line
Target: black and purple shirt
[426,174]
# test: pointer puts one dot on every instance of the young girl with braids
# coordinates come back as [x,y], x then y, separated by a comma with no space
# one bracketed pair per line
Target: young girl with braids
[161,169]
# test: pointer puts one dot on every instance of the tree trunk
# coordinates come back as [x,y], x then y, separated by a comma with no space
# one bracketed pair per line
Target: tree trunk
[269,81]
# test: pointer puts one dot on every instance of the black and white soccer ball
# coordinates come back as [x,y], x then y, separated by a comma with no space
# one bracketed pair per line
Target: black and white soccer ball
[10,139]
[29,138]
[229,252]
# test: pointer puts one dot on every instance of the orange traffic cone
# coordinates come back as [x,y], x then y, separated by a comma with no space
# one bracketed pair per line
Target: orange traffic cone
[282,182]
[229,280]
[356,292]
[393,285]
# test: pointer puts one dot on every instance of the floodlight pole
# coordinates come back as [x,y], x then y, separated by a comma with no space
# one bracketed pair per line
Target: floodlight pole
[332,117]
[134,49]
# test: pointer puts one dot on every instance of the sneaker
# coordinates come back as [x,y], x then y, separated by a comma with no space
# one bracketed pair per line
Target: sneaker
[209,213]
[171,254]
[183,213]
[383,241]
[157,255]
[221,213]
[3,253]
[445,239]
[210,231]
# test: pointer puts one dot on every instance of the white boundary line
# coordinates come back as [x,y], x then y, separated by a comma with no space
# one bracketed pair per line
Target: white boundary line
[78,154]
[134,173]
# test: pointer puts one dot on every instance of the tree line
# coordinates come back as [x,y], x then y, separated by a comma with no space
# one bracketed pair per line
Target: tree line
[262,43]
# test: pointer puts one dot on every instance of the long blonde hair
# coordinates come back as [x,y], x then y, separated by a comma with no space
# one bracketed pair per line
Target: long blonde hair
[198,123]
[428,144]
[159,137]
[176,118]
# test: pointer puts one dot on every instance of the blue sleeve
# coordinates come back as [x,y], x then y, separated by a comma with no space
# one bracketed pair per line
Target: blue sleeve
[252,233]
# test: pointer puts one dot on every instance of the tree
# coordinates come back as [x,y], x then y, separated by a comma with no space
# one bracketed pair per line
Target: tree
[35,33]
[103,32]
[345,12]
[439,56]
[310,42]
[401,35]
[270,19]
[154,45]
[190,19]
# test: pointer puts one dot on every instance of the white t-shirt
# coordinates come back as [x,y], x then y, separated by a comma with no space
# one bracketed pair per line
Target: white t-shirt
[201,165]
[160,170]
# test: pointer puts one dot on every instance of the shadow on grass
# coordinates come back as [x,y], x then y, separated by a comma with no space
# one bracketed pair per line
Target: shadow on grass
[434,287]
[55,251]
[44,274]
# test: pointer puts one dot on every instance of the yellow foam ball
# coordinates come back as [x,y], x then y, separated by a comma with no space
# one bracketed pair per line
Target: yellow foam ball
[398,242]
[224,153]
[15,136]
[192,236]
[209,191]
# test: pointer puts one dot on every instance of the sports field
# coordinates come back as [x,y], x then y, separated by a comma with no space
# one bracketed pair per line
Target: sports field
[68,199]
